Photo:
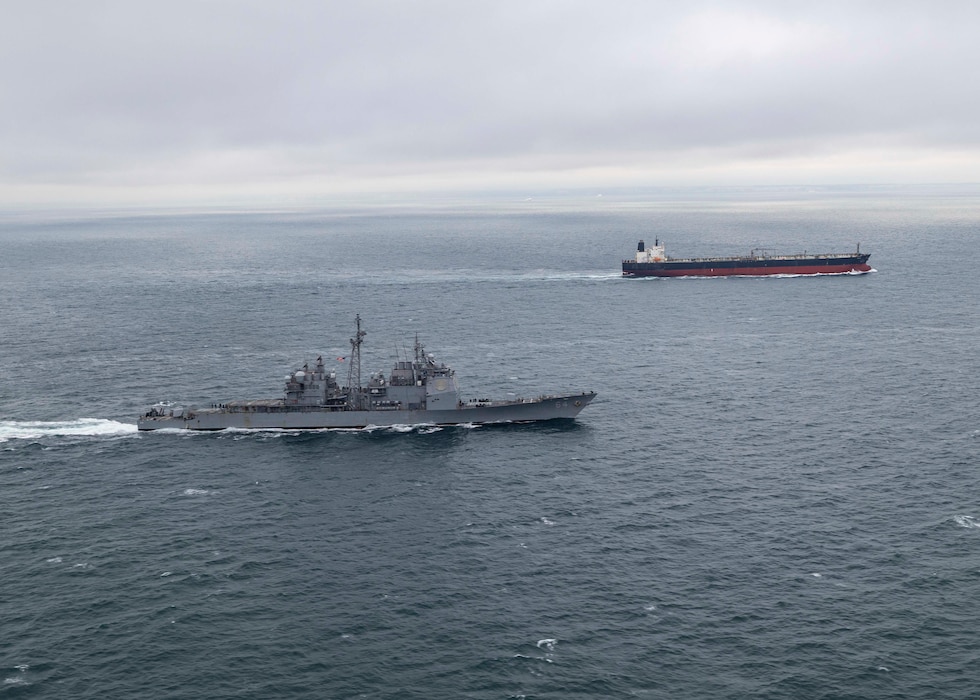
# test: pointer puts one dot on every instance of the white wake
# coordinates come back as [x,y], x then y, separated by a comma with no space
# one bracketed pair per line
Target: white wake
[80,427]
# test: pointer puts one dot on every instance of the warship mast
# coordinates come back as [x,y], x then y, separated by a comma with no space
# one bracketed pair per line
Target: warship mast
[354,370]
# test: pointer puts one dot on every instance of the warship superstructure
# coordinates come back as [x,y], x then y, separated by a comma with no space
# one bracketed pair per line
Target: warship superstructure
[417,391]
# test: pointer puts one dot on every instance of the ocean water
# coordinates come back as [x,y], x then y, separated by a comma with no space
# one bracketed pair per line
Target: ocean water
[776,493]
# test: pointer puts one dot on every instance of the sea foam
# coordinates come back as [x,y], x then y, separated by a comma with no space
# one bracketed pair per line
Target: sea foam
[966,521]
[80,427]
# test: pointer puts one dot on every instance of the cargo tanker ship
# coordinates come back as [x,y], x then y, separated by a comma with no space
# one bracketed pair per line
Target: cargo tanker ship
[653,262]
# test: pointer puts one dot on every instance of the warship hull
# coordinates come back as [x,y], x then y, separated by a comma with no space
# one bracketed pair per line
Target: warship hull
[261,415]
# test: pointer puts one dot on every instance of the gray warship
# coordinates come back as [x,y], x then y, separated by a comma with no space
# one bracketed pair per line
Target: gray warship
[416,392]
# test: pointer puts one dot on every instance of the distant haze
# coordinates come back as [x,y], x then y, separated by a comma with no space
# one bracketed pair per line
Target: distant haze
[228,100]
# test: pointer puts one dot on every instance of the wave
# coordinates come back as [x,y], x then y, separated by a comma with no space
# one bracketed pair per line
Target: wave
[615,275]
[80,427]
[455,276]
[966,521]
[419,428]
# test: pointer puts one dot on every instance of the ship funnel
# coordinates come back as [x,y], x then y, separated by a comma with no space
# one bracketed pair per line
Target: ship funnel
[640,247]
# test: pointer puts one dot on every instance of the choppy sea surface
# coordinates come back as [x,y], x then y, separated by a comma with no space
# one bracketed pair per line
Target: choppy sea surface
[776,493]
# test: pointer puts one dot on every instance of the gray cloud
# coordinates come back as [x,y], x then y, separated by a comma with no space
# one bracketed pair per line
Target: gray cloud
[226,94]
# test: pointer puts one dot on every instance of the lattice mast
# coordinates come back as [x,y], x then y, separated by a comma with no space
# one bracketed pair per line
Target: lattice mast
[354,370]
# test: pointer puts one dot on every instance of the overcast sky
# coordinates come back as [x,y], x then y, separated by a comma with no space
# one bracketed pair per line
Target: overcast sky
[223,100]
